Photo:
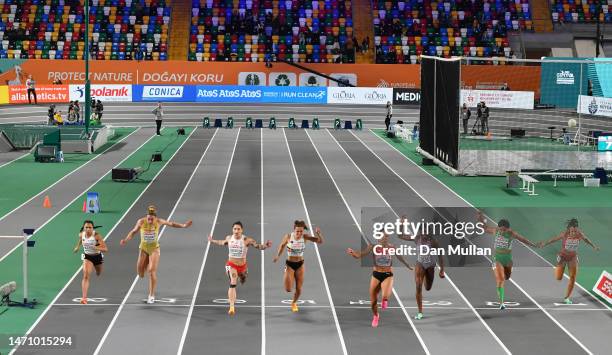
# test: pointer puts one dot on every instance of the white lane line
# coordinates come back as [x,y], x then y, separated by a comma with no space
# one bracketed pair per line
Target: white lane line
[212,230]
[14,160]
[511,280]
[495,309]
[331,301]
[161,233]
[262,241]
[107,235]
[65,176]
[471,205]
[416,331]
[67,205]
[447,276]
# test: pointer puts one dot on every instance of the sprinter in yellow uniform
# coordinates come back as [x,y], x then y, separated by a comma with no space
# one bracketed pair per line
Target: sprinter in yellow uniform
[148,257]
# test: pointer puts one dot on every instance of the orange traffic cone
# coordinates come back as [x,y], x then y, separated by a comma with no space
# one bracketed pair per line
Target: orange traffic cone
[85,206]
[47,202]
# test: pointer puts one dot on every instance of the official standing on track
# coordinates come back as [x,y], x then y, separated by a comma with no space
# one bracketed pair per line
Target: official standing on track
[389,115]
[93,247]
[236,266]
[502,261]
[382,274]
[159,115]
[295,243]
[568,255]
[31,86]
[148,256]
[465,117]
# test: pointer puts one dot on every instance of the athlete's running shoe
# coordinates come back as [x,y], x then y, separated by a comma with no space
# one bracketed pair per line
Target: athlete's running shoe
[231,311]
[418,316]
[502,306]
[150,300]
[568,301]
[385,304]
[83,300]
[375,321]
[294,307]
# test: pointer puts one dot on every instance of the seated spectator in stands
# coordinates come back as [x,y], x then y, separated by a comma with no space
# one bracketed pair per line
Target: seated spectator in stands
[57,81]
[505,87]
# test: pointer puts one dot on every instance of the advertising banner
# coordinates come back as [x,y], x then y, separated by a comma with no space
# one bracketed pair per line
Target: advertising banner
[261,94]
[596,106]
[44,94]
[563,82]
[359,96]
[499,98]
[4,95]
[164,93]
[406,96]
[603,287]
[104,93]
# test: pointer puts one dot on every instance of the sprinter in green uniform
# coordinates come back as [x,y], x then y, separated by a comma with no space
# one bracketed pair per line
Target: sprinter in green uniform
[502,260]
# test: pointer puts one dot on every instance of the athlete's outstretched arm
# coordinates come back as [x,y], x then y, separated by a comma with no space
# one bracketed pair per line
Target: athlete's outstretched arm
[403,261]
[217,242]
[488,229]
[130,235]
[174,224]
[281,247]
[359,254]
[588,241]
[76,247]
[434,243]
[319,237]
[101,244]
[551,240]
[523,239]
[254,244]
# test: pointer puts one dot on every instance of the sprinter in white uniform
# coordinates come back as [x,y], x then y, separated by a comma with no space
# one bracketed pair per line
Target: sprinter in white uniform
[236,266]
[93,246]
[295,243]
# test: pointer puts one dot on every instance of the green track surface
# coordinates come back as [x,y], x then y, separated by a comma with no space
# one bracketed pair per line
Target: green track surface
[519,144]
[537,217]
[18,187]
[51,261]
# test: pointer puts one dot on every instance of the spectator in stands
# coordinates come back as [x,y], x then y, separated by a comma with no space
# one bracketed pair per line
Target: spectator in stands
[57,118]
[364,46]
[389,115]
[30,84]
[158,112]
[465,116]
[590,88]
[57,81]
[77,108]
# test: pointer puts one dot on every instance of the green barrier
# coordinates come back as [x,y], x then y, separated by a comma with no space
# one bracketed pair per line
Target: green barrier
[272,124]
[230,122]
[206,122]
[337,123]
[292,123]
[359,124]
[249,122]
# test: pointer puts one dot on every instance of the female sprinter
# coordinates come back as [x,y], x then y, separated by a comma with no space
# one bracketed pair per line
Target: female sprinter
[568,256]
[382,275]
[425,267]
[148,257]
[502,261]
[294,265]
[93,246]
[236,266]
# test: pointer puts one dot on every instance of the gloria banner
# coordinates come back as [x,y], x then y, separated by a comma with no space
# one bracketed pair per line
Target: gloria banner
[359,96]
[596,106]
[104,93]
[44,94]
[499,98]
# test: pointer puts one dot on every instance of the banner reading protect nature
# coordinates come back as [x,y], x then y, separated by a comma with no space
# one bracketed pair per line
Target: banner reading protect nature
[218,73]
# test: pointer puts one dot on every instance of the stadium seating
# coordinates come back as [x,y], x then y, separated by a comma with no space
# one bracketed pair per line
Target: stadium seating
[406,29]
[578,11]
[55,29]
[269,30]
